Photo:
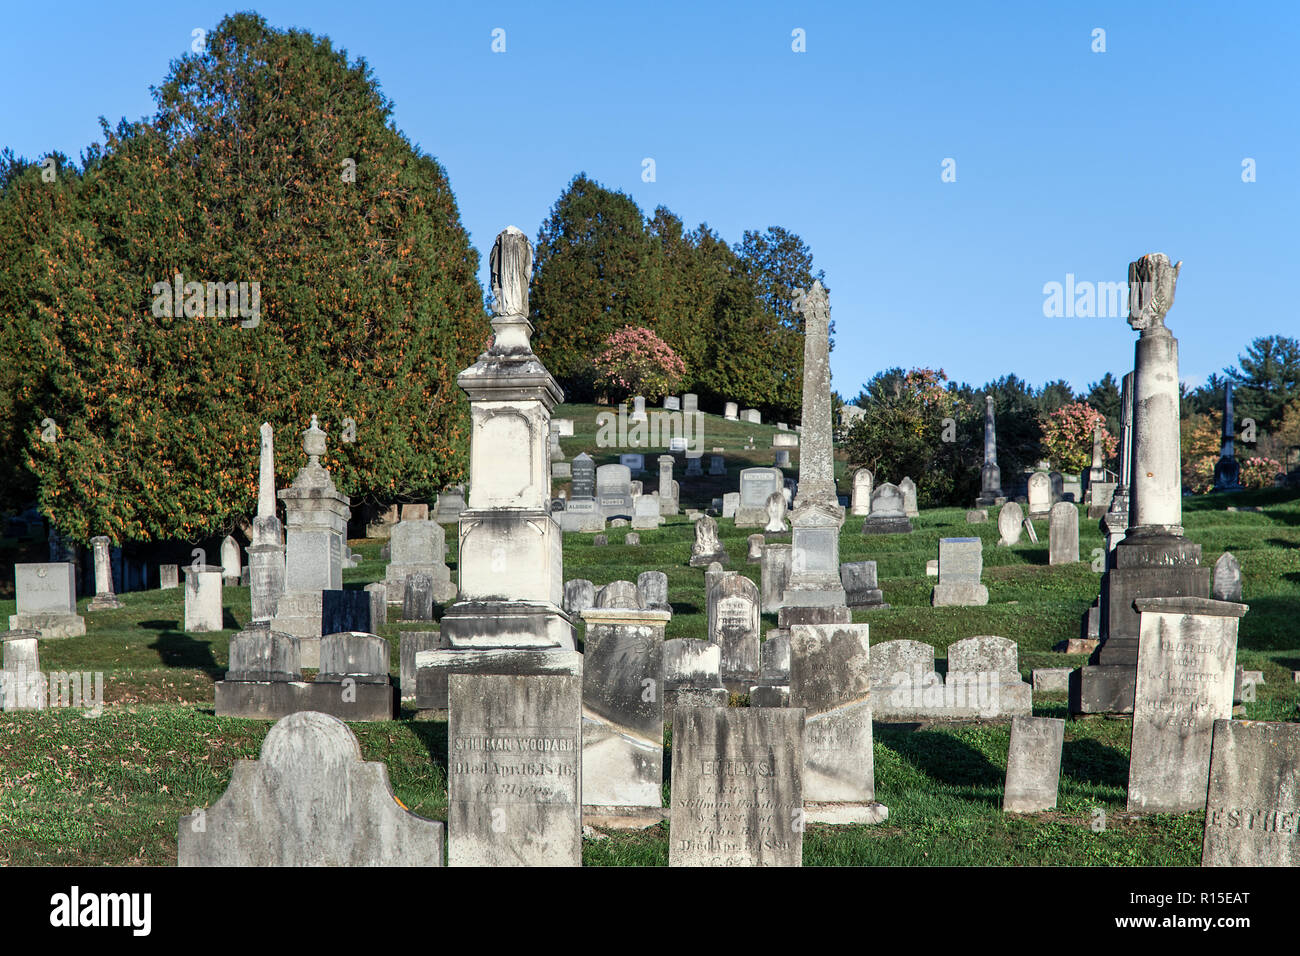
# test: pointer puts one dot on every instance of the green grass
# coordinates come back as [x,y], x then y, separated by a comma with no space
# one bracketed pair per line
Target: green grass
[111,789]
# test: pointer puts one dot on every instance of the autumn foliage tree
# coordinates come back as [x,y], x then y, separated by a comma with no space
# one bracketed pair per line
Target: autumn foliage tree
[1068,433]
[635,361]
[271,160]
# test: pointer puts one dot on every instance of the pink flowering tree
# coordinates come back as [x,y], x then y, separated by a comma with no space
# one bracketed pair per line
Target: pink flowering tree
[1067,437]
[1259,472]
[635,361]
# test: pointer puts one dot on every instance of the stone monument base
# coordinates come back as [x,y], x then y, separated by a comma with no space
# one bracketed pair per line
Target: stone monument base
[433,669]
[887,524]
[845,813]
[961,594]
[49,625]
[507,625]
[622,818]
[104,602]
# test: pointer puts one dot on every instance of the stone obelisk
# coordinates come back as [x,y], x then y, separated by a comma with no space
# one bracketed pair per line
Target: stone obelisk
[1154,560]
[990,474]
[817,516]
[1227,471]
[266,553]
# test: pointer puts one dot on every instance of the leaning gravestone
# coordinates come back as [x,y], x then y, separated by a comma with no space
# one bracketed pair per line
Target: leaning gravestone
[1033,764]
[1063,534]
[310,800]
[1227,578]
[1253,804]
[1010,524]
[908,487]
[514,770]
[47,600]
[830,678]
[737,794]
[1187,654]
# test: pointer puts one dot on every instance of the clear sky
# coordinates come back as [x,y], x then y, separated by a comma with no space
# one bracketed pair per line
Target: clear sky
[1067,161]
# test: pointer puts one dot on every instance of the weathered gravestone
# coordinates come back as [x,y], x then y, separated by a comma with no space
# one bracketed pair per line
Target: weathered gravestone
[830,678]
[105,598]
[47,600]
[514,770]
[756,486]
[961,562]
[908,487]
[309,801]
[169,576]
[754,555]
[652,589]
[1040,494]
[775,569]
[861,492]
[377,594]
[614,491]
[1010,523]
[733,614]
[1187,655]
[417,599]
[622,711]
[418,547]
[583,484]
[861,588]
[692,675]
[1033,764]
[717,465]
[887,515]
[729,411]
[1063,534]
[345,611]
[579,594]
[203,610]
[231,562]
[645,513]
[1252,810]
[410,644]
[776,508]
[22,685]
[707,547]
[773,687]
[730,504]
[737,795]
[1227,578]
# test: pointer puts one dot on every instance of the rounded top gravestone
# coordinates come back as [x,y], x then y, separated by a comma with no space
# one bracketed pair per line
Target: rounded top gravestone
[1010,523]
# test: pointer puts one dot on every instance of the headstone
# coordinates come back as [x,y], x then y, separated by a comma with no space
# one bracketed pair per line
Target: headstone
[862,480]
[1040,494]
[309,801]
[1051,680]
[646,513]
[1033,764]
[729,411]
[756,486]
[105,598]
[1187,654]
[514,770]
[887,515]
[582,515]
[417,599]
[343,611]
[410,644]
[977,516]
[717,465]
[564,426]
[775,573]
[775,514]
[449,505]
[632,539]
[169,576]
[730,504]
[781,458]
[622,715]
[378,596]
[600,540]
[1011,518]
[583,484]
[690,402]
[1029,530]
[693,466]
[692,675]
[638,409]
[737,796]
[961,562]
[203,608]
[231,565]
[751,415]
[1253,802]
[22,684]
[755,553]
[632,461]
[418,547]
[614,491]
[652,589]
[579,594]
[1063,534]
[908,487]
[733,616]
[354,655]
[1227,578]
[861,588]
[47,600]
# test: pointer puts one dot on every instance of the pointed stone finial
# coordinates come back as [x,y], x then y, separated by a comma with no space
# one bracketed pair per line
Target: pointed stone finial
[1151,283]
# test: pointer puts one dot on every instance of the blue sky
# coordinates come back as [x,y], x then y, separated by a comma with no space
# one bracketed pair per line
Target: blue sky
[1067,161]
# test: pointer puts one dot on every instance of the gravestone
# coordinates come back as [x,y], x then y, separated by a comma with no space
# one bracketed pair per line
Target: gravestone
[632,539]
[781,458]
[622,714]
[652,589]
[908,487]
[583,484]
[345,611]
[1040,494]
[22,684]
[632,461]
[717,465]
[105,598]
[1011,519]
[690,402]
[830,678]
[418,546]
[1253,802]
[756,486]
[755,552]
[861,588]
[579,594]
[887,515]
[862,479]
[47,600]
[378,596]
[646,512]
[775,567]
[977,516]
[729,411]
[614,491]
[707,547]
[169,577]
[1063,534]
[672,403]
[776,507]
[1187,656]
[514,770]
[582,515]
[694,467]
[1227,578]
[733,616]
[449,504]
[961,563]
[737,795]
[203,609]
[310,800]
[638,409]
[1033,764]
[730,504]
[692,675]
[417,598]
[668,494]
[410,644]
[751,415]
[231,565]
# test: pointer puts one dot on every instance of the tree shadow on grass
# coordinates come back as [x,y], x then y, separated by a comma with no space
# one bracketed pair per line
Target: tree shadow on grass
[433,735]
[178,649]
[682,607]
[1087,761]
[942,757]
